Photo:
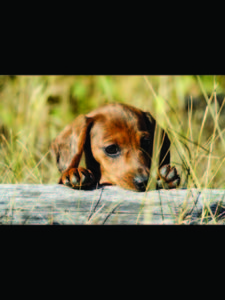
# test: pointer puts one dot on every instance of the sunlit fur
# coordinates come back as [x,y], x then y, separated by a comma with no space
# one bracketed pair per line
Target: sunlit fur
[113,124]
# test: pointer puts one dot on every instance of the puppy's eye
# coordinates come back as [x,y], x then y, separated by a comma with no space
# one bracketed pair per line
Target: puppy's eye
[112,150]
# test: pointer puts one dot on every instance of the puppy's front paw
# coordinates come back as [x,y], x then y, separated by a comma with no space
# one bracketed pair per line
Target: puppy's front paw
[168,178]
[77,178]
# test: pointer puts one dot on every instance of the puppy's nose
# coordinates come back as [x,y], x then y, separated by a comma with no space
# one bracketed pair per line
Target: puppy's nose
[140,182]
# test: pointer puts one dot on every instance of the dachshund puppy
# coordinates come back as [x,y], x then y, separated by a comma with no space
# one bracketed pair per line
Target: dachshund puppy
[117,141]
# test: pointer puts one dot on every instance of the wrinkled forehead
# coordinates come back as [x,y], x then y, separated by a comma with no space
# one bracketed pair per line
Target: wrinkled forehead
[122,127]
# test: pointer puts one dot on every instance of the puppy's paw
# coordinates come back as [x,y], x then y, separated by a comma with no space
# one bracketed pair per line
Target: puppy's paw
[77,178]
[168,178]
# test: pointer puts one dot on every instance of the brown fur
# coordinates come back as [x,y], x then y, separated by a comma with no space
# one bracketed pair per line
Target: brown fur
[114,124]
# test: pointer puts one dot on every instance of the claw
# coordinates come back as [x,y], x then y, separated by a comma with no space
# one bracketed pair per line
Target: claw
[174,184]
[168,177]
[77,178]
[164,171]
[74,180]
[172,174]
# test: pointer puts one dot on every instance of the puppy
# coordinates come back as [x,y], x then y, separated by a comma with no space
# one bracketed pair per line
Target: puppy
[117,141]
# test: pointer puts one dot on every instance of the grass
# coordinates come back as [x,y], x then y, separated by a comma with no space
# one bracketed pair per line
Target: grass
[33,110]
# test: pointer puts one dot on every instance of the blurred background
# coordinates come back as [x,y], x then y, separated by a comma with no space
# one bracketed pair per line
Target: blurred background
[34,109]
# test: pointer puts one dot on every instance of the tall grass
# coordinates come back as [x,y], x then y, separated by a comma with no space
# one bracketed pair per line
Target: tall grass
[33,110]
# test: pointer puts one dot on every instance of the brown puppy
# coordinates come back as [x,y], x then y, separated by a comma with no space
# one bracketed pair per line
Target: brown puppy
[117,141]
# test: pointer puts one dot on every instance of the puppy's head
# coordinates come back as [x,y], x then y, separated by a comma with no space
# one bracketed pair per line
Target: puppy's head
[121,141]
[117,140]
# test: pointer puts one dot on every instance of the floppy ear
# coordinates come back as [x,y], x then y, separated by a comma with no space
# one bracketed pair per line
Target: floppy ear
[68,146]
[164,158]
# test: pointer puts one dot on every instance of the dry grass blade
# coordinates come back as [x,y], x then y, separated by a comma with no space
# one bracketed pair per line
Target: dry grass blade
[211,110]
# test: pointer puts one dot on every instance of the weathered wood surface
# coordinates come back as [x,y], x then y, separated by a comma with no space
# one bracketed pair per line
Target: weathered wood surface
[57,204]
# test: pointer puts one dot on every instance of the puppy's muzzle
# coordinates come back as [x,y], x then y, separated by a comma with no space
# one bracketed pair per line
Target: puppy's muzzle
[140,182]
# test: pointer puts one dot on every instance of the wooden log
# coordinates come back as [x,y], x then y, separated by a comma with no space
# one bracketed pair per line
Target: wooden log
[57,204]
